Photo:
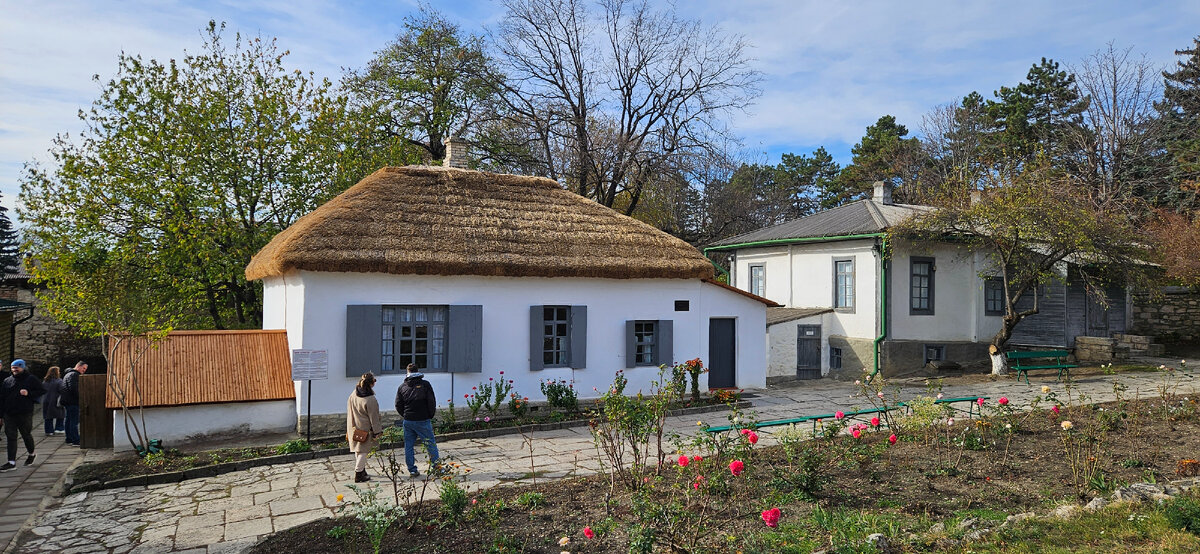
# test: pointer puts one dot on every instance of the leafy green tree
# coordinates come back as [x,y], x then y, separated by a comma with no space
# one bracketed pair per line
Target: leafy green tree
[1030,221]
[431,82]
[194,165]
[883,154]
[1179,118]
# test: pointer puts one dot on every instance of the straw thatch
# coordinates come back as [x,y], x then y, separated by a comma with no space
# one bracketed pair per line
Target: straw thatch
[440,221]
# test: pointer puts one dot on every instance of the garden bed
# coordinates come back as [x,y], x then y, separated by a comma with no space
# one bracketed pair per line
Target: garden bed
[175,465]
[925,492]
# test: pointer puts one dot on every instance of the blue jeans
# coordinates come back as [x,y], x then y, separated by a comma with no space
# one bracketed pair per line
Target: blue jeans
[53,424]
[72,424]
[423,430]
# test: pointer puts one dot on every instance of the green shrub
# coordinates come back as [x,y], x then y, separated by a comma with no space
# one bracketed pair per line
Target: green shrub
[453,501]
[155,460]
[560,394]
[294,446]
[531,500]
[337,532]
[1183,513]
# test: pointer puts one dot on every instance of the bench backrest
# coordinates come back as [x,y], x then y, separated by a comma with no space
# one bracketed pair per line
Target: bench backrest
[1037,354]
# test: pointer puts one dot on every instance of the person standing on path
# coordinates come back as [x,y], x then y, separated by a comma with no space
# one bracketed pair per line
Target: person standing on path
[415,402]
[69,390]
[17,396]
[52,410]
[362,416]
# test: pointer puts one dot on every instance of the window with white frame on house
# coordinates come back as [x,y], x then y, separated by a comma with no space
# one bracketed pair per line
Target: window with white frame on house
[758,280]
[416,335]
[921,286]
[993,296]
[843,284]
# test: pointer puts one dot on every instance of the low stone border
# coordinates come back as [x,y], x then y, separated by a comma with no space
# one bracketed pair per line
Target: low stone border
[228,467]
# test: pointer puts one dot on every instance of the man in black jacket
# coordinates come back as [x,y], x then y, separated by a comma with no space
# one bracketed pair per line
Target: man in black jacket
[68,390]
[415,402]
[18,394]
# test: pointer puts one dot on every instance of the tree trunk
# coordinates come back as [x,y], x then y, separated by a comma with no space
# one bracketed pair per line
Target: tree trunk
[999,363]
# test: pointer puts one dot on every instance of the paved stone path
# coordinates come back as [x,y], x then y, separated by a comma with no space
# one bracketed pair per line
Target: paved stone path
[230,512]
[22,490]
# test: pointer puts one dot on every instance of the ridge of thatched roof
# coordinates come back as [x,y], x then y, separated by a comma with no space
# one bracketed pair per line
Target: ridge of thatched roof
[427,220]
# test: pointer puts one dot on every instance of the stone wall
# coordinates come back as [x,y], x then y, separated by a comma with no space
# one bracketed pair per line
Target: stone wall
[858,355]
[44,342]
[903,356]
[1173,317]
[1097,349]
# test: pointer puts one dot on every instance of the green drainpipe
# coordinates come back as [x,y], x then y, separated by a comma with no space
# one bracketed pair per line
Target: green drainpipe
[883,301]
[716,266]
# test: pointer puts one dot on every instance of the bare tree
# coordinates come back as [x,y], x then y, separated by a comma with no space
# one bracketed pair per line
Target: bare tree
[613,92]
[1119,132]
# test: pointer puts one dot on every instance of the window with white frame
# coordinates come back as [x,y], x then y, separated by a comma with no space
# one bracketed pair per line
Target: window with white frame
[758,280]
[416,335]
[843,284]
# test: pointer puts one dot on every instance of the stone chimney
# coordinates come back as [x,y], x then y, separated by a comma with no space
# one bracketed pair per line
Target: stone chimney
[457,152]
[883,192]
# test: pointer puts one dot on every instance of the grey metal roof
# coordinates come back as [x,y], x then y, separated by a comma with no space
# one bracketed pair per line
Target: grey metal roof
[783,315]
[855,218]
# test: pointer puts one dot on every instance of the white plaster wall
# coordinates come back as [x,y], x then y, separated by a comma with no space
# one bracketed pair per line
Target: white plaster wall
[179,425]
[958,295]
[774,260]
[283,308]
[810,282]
[506,304]
[781,339]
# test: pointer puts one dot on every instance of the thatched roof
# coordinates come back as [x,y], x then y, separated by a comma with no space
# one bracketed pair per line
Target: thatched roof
[440,221]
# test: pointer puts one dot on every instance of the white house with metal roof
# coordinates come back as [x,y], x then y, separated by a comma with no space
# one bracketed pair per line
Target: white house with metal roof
[847,307]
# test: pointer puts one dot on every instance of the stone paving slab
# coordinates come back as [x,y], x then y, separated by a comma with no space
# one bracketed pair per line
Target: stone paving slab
[229,513]
[22,490]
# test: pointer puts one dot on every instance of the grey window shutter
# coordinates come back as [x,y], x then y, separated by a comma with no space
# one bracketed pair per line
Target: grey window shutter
[665,342]
[578,353]
[536,334]
[630,343]
[364,339]
[464,339]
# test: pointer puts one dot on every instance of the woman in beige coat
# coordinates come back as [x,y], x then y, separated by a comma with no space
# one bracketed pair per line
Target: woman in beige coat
[362,412]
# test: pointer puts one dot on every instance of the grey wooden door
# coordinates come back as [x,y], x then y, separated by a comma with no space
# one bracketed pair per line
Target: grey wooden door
[808,351]
[1097,316]
[722,353]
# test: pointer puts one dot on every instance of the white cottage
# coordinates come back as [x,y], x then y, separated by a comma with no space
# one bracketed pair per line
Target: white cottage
[468,274]
[847,307]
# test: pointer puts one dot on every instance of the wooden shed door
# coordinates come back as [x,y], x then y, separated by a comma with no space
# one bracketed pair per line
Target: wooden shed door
[1097,317]
[722,353]
[95,421]
[808,351]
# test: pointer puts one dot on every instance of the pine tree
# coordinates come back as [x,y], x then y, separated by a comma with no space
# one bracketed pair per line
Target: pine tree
[1036,115]
[883,154]
[10,243]
[1179,115]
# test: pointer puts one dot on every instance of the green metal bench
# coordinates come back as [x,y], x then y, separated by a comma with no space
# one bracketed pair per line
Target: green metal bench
[814,419]
[1025,361]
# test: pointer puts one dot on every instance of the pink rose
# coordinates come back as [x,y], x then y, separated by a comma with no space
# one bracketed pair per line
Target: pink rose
[587,532]
[892,439]
[697,458]
[752,437]
[839,415]
[736,467]
[875,422]
[683,461]
[1003,400]
[1055,409]
[979,401]
[771,517]
[856,433]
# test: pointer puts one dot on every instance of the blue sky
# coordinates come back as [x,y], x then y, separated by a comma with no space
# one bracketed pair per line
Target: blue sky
[830,67]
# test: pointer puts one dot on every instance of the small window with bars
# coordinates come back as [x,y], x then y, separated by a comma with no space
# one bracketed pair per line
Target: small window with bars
[835,358]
